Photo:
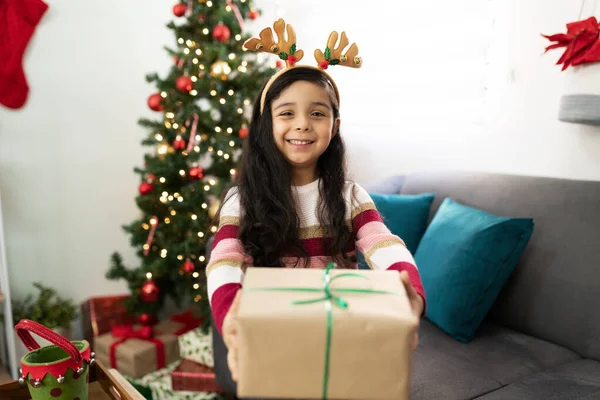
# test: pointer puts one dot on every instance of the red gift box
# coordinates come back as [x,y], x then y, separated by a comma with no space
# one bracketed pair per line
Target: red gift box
[100,314]
[194,377]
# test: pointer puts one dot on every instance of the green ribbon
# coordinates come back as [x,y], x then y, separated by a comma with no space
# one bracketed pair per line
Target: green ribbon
[329,298]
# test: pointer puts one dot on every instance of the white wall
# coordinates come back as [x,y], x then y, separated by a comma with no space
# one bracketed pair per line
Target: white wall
[66,158]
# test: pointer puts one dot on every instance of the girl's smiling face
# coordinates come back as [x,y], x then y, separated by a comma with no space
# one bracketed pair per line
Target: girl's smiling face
[303,125]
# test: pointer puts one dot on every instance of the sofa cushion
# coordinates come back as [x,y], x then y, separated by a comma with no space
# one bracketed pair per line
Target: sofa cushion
[465,258]
[406,216]
[576,380]
[553,291]
[444,368]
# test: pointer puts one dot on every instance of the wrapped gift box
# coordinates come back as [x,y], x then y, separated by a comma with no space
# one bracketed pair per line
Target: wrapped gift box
[194,377]
[162,390]
[99,314]
[296,341]
[197,346]
[136,353]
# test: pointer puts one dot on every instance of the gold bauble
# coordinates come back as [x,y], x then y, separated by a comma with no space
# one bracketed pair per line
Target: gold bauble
[220,70]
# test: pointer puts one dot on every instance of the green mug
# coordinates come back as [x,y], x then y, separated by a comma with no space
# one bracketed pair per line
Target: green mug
[59,371]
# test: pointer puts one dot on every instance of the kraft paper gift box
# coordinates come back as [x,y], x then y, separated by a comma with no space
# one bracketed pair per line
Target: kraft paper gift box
[294,342]
[135,355]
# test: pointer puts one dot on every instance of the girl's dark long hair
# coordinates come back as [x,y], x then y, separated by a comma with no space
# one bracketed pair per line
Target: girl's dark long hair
[269,224]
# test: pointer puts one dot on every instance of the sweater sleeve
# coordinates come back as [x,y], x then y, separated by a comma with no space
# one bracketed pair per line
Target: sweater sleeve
[224,269]
[382,249]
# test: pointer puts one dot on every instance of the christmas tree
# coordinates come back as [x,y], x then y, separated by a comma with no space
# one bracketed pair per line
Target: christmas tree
[204,104]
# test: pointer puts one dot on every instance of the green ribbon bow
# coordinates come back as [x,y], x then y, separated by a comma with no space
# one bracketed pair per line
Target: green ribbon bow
[328,298]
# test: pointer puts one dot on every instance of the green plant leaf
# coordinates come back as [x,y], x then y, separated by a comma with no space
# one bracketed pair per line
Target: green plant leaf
[327,53]
[335,61]
[283,55]
[293,49]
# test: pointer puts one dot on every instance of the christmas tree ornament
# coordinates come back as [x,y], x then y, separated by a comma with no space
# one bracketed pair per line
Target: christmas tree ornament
[149,291]
[192,138]
[150,178]
[286,48]
[215,114]
[179,143]
[188,266]
[155,102]
[147,319]
[153,226]
[184,84]
[253,14]
[179,10]
[221,32]
[145,188]
[220,70]
[196,173]
[236,12]
[243,132]
[18,21]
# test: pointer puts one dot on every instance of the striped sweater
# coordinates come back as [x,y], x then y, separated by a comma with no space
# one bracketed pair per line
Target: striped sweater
[382,249]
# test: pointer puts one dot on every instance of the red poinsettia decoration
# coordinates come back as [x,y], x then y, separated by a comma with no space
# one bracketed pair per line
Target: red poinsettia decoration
[582,42]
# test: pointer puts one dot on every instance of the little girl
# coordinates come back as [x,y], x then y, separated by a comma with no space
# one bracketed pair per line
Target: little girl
[292,205]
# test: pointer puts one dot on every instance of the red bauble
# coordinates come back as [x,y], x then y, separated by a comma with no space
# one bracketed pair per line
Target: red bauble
[243,132]
[150,178]
[145,188]
[279,64]
[196,173]
[147,319]
[253,14]
[179,10]
[149,292]
[179,143]
[221,33]
[155,102]
[184,84]
[188,267]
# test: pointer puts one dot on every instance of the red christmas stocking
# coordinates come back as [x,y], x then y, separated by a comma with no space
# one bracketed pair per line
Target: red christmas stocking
[18,20]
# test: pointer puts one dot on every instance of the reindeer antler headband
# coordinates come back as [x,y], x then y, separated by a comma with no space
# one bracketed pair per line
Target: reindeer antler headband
[286,50]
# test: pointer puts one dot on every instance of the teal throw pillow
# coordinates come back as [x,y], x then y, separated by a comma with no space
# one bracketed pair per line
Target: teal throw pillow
[465,258]
[405,215]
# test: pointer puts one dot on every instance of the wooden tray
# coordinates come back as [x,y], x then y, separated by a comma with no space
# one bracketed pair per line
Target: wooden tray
[113,385]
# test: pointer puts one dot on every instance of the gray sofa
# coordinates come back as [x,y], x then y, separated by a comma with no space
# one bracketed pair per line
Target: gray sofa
[541,340]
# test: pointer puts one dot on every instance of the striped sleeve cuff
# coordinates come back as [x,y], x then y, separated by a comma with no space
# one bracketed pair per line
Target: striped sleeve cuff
[221,302]
[414,277]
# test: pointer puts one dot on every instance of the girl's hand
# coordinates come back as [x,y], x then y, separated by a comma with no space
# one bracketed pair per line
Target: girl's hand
[230,337]
[416,302]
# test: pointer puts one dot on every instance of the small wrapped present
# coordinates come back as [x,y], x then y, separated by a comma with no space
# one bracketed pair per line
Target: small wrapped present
[312,334]
[197,346]
[162,390]
[194,377]
[136,351]
[99,314]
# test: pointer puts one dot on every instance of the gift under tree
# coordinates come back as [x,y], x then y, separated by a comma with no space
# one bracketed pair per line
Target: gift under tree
[202,110]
